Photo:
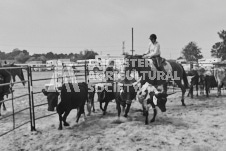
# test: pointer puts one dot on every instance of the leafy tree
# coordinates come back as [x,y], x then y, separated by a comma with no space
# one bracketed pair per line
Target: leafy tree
[192,52]
[22,57]
[219,48]
[41,58]
[31,59]
[89,54]
[50,55]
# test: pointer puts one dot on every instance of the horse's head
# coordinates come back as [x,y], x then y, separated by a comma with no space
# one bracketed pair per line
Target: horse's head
[16,72]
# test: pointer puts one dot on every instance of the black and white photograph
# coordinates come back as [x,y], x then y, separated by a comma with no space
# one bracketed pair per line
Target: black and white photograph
[112,75]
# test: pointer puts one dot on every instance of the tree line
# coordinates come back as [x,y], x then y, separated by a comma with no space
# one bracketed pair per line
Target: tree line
[22,56]
[191,52]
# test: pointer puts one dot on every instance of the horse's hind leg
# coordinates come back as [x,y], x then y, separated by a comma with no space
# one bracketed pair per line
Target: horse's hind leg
[183,89]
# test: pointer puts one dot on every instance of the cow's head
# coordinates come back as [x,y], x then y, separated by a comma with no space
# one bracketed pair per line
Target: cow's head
[52,99]
[148,93]
[161,101]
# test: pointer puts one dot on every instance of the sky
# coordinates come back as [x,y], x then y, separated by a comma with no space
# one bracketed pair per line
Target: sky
[65,26]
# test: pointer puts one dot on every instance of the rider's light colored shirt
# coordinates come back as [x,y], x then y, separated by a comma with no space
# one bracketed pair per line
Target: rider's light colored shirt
[153,49]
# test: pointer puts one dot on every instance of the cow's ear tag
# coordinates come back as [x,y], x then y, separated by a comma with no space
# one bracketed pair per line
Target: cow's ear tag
[154,100]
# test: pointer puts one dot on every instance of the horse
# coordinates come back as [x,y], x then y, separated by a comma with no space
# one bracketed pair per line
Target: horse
[144,66]
[14,72]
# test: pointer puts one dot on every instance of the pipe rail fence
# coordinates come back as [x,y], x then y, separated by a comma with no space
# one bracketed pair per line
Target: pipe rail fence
[13,99]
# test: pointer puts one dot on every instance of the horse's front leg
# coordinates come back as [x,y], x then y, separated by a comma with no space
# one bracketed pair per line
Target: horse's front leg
[183,89]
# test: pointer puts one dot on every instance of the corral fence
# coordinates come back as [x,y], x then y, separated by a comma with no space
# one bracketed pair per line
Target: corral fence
[13,99]
[58,76]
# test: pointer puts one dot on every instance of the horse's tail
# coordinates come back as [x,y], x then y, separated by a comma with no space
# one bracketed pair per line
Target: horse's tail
[185,79]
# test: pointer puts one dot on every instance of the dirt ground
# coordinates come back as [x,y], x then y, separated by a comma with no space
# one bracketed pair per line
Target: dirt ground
[200,126]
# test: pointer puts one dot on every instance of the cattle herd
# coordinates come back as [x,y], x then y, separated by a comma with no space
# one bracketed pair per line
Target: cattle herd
[76,95]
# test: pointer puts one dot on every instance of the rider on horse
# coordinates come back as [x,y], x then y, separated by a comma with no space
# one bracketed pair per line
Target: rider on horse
[154,53]
[7,79]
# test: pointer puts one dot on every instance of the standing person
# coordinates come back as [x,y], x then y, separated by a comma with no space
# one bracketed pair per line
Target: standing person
[7,78]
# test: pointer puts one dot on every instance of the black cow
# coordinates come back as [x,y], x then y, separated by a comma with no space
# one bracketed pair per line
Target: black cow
[105,94]
[125,91]
[148,96]
[210,82]
[73,96]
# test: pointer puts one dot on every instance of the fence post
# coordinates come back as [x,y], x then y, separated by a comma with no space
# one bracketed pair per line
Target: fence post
[29,92]
[32,99]
[85,72]
[13,109]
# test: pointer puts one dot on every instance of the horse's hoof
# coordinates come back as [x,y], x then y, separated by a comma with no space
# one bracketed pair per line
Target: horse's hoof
[104,113]
[152,120]
[60,128]
[66,124]
[125,115]
[184,105]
